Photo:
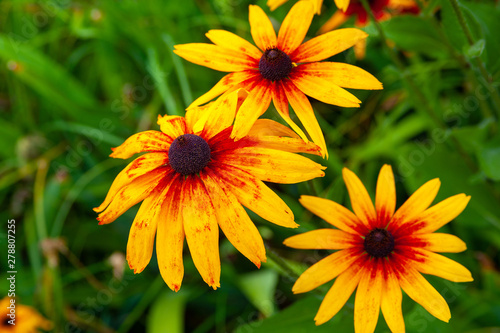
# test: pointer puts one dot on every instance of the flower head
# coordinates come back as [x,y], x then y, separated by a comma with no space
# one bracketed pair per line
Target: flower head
[26,319]
[382,251]
[281,69]
[195,179]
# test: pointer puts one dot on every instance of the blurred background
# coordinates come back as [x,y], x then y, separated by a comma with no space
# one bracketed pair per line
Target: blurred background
[79,77]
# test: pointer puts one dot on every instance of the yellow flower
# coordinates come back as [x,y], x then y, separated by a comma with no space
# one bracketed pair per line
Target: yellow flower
[284,70]
[195,179]
[27,319]
[382,251]
[341,4]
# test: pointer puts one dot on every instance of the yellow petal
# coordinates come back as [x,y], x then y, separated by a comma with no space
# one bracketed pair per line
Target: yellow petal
[385,197]
[438,265]
[291,145]
[142,233]
[261,28]
[234,221]
[360,200]
[421,291]
[343,75]
[323,90]
[273,4]
[194,114]
[342,4]
[268,127]
[418,202]
[392,298]
[335,214]
[338,18]
[173,126]
[138,167]
[304,111]
[326,239]
[142,142]
[202,231]
[132,194]
[257,102]
[325,270]
[215,57]
[327,45]
[229,81]
[295,25]
[442,213]
[219,116]
[317,6]
[437,242]
[231,41]
[274,166]
[367,301]
[338,294]
[360,49]
[280,102]
[256,196]
[170,236]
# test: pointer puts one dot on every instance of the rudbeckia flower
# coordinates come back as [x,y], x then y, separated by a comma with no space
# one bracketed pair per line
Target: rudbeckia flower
[341,4]
[382,251]
[26,320]
[282,69]
[194,179]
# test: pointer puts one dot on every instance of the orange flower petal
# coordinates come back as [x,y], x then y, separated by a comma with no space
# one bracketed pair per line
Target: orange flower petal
[173,126]
[338,294]
[327,239]
[295,25]
[253,107]
[338,18]
[234,221]
[304,111]
[342,75]
[138,167]
[368,297]
[385,197]
[219,116]
[274,166]
[438,265]
[227,82]
[142,142]
[421,291]
[325,270]
[231,41]
[170,237]
[418,202]
[360,200]
[342,4]
[280,102]
[291,145]
[440,214]
[261,28]
[256,196]
[268,127]
[321,89]
[437,242]
[327,45]
[142,232]
[202,231]
[335,214]
[273,4]
[131,194]
[392,298]
[215,57]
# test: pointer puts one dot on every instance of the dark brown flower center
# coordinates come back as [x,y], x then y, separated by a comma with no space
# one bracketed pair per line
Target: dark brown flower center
[189,154]
[379,243]
[275,65]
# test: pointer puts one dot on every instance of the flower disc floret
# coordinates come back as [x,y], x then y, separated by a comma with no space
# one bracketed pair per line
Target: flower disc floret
[379,243]
[189,154]
[275,65]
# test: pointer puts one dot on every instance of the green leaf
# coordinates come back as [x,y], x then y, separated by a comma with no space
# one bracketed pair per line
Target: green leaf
[167,312]
[259,287]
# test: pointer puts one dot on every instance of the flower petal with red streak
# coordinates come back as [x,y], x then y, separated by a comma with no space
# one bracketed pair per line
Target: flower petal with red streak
[261,28]
[392,298]
[173,126]
[360,199]
[295,25]
[368,297]
[280,102]
[231,41]
[142,142]
[322,239]
[385,197]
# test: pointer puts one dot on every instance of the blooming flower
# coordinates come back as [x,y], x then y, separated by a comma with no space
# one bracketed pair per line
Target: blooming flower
[341,4]
[26,320]
[382,251]
[284,70]
[195,178]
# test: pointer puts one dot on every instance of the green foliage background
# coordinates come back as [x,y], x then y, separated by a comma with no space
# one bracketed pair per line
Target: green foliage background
[79,77]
